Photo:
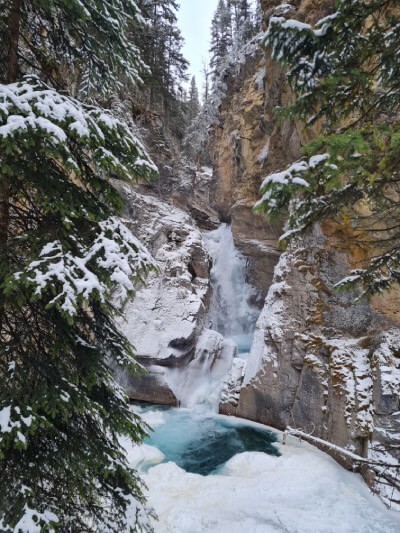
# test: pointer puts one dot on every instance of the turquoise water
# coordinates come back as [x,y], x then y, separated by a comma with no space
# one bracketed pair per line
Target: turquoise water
[202,443]
[243,342]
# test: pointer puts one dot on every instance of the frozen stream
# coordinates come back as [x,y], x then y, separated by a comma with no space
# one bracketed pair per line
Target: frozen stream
[217,474]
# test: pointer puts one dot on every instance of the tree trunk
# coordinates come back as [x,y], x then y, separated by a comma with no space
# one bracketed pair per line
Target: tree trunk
[12,62]
[11,77]
[12,74]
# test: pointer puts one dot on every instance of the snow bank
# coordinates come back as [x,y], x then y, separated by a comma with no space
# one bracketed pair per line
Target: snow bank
[304,490]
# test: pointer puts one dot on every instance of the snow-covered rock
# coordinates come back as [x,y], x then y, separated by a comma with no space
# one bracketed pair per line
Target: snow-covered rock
[232,386]
[166,315]
[164,320]
[323,364]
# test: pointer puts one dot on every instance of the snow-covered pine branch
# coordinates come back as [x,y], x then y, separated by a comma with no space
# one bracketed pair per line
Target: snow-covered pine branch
[67,261]
[66,126]
[345,74]
[107,268]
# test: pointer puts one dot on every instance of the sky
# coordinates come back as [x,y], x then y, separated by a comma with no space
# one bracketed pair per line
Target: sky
[194,19]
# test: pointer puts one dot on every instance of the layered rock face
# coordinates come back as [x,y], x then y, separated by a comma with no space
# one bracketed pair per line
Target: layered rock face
[248,143]
[240,145]
[323,364]
[319,362]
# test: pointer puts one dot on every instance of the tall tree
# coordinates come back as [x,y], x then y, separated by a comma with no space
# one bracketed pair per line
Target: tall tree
[67,264]
[241,13]
[345,71]
[193,101]
[160,42]
[205,70]
[221,37]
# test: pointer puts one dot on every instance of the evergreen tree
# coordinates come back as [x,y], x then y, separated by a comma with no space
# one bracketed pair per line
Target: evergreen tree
[67,264]
[193,102]
[94,39]
[241,13]
[206,81]
[228,49]
[345,71]
[221,37]
[195,141]
[160,43]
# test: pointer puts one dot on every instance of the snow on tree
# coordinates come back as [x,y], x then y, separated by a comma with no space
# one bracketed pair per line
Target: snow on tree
[221,36]
[229,50]
[193,104]
[94,40]
[160,42]
[196,137]
[345,71]
[242,17]
[67,265]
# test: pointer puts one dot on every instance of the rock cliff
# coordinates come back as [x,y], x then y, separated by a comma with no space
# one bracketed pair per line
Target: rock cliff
[166,317]
[319,362]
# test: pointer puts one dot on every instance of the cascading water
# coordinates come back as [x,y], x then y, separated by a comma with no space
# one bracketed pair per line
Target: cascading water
[231,315]
[199,384]
[231,312]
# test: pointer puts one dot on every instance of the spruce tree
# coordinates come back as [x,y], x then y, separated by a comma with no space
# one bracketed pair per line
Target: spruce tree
[160,43]
[221,37]
[345,72]
[67,264]
[193,101]
[205,70]
[241,13]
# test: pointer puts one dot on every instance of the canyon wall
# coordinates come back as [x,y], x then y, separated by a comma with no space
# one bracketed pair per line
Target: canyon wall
[320,362]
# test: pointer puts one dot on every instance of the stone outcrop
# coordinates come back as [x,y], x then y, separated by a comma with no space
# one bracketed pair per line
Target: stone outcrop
[197,382]
[232,387]
[322,363]
[248,143]
[166,317]
[150,387]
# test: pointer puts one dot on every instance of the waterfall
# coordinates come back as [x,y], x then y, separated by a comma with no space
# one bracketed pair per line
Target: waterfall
[231,312]
[200,383]
[231,320]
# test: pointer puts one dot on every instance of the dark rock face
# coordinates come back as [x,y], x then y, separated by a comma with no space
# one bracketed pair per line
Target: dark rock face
[150,387]
[323,364]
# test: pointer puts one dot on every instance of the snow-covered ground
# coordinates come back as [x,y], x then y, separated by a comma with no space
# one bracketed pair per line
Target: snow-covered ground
[303,490]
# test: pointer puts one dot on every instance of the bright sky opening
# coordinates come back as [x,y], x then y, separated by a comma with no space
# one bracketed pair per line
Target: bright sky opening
[194,20]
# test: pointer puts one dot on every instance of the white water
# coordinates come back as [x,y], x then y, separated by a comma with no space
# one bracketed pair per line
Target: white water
[199,384]
[231,320]
[231,313]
